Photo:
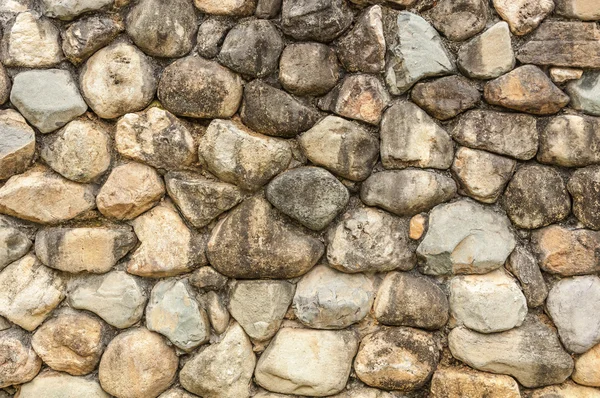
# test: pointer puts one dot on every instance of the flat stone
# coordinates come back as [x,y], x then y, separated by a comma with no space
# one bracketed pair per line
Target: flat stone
[116,297]
[489,55]
[254,242]
[587,368]
[308,68]
[510,134]
[310,195]
[87,35]
[465,238]
[238,8]
[586,10]
[17,144]
[566,390]
[69,9]
[585,93]
[530,353]
[49,384]
[407,192]
[523,265]
[48,99]
[20,364]
[217,312]
[563,75]
[207,278]
[211,34]
[409,137]
[56,198]
[307,362]
[396,359]
[415,51]
[240,156]
[459,20]
[320,20]
[584,187]
[570,141]
[14,244]
[155,137]
[446,97]
[404,299]
[460,382]
[259,306]
[131,189]
[526,89]
[129,366]
[523,16]
[223,369]
[334,138]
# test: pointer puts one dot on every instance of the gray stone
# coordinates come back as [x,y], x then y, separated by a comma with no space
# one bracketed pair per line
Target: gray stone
[308,68]
[465,238]
[20,364]
[14,244]
[446,97]
[5,85]
[267,9]
[570,141]
[50,384]
[69,9]
[488,55]
[584,187]
[585,93]
[586,10]
[523,16]
[237,8]
[459,20]
[320,20]
[87,35]
[48,99]
[17,144]
[407,192]
[211,33]
[207,278]
[524,267]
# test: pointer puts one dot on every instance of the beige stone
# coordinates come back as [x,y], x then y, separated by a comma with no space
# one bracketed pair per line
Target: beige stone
[587,10]
[417,226]
[587,368]
[17,144]
[463,383]
[563,75]
[523,16]
[18,361]
[176,393]
[226,7]
[50,384]
[489,55]
[567,390]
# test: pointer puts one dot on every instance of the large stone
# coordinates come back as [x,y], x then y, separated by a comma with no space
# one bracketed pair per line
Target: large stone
[415,51]
[409,137]
[48,99]
[211,34]
[254,242]
[584,187]
[223,369]
[345,148]
[566,390]
[587,10]
[196,87]
[259,306]
[587,368]
[320,20]
[118,79]
[307,362]
[459,20]
[14,244]
[404,299]
[19,361]
[238,8]
[570,141]
[49,384]
[87,35]
[17,144]
[458,383]
[524,267]
[397,359]
[585,93]
[308,68]
[523,16]
[446,97]
[465,238]
[488,55]
[526,89]
[69,9]
[240,156]
[536,196]
[407,192]
[531,353]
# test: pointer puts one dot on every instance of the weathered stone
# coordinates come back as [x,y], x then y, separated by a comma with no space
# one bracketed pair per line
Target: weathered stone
[334,138]
[587,10]
[116,297]
[482,175]
[409,137]
[49,384]
[360,392]
[404,299]
[396,359]
[5,85]
[530,353]
[415,51]
[563,75]
[176,393]
[307,362]
[267,9]
[407,192]
[463,382]
[253,242]
[223,369]
[19,361]
[196,87]
[488,55]
[17,144]
[446,97]
[48,99]
[16,6]
[207,278]
[536,196]
[587,368]
[217,312]
[118,79]
[523,16]
[362,49]
[570,141]
[14,244]
[465,238]
[131,189]
[566,390]
[526,89]
[137,363]
[259,306]
[459,20]
[584,187]
[56,199]
[585,93]
[238,8]
[308,68]
[524,267]
[321,20]
[69,9]
[87,35]
[211,34]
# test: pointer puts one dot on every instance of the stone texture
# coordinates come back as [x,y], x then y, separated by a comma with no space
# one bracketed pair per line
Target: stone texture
[524,267]
[14,244]
[461,382]
[417,226]
[217,312]
[19,361]
[584,187]
[69,9]
[176,393]
[459,20]
[488,55]
[238,8]
[566,390]
[207,278]
[570,141]
[321,20]
[211,34]
[585,93]
[267,9]
[523,16]
[446,97]
[49,384]
[308,68]
[587,370]
[87,35]
[581,9]
[563,75]
[5,85]
[17,144]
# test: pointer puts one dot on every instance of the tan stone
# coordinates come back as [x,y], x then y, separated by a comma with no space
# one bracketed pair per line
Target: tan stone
[587,10]
[17,144]
[587,368]
[18,361]
[523,16]
[417,226]
[566,390]
[464,382]
[563,75]
[50,384]
[488,55]
[226,7]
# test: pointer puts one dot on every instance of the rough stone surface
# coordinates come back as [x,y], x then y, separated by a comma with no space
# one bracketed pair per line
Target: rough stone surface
[362,49]
[14,244]
[587,370]
[446,97]
[459,20]
[581,9]
[459,382]
[49,384]
[570,141]
[19,361]
[524,267]
[488,55]
[176,393]
[207,278]
[211,34]
[69,9]
[308,68]
[523,16]
[17,144]
[217,312]
[584,187]
[238,8]
[566,390]
[87,35]
[585,93]
[562,75]
[321,20]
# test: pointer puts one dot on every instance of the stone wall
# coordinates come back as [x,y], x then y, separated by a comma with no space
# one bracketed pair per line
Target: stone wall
[267,198]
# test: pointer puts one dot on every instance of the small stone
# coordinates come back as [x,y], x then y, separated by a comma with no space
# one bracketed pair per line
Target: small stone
[585,93]
[116,297]
[207,278]
[211,34]
[361,392]
[259,306]
[523,265]
[14,244]
[30,41]
[267,9]
[49,384]
[587,368]
[396,359]
[17,144]
[586,10]
[526,89]
[155,137]
[56,198]
[310,195]
[238,8]
[407,192]
[137,363]
[523,16]
[163,29]
[463,382]
[118,79]
[459,20]
[307,362]
[409,137]
[223,369]
[19,361]
[362,49]
[566,390]
[308,68]
[217,312]
[253,242]
[530,353]
[131,189]
[482,175]
[417,226]
[69,9]
[563,75]
[488,55]
[320,20]
[72,342]
[48,99]
[334,138]
[87,35]
[370,240]
[536,196]
[584,187]
[176,393]
[446,97]
[415,51]
[570,141]
[404,299]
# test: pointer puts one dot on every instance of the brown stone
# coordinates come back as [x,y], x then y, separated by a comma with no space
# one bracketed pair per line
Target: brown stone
[18,361]
[459,19]
[570,141]
[587,368]
[417,226]
[308,68]
[523,16]
[465,382]
[446,97]
[586,10]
